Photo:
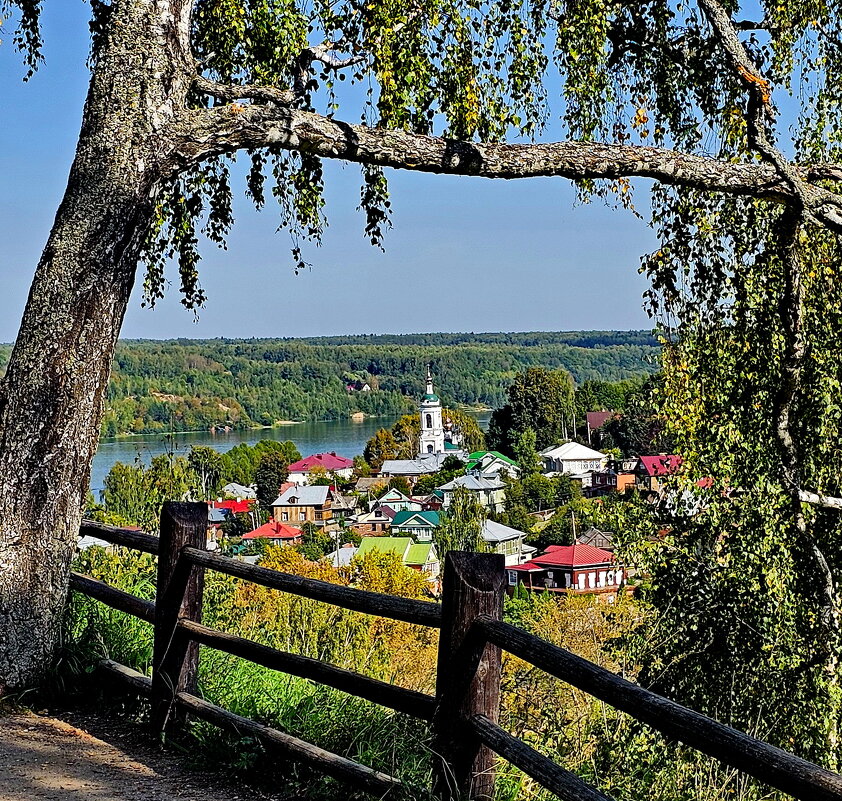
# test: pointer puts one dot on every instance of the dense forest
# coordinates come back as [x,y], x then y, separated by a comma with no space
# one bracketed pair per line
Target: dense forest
[195,384]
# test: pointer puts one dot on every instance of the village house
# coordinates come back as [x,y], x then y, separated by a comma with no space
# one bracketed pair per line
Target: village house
[377,521]
[234,506]
[596,420]
[596,538]
[419,525]
[490,464]
[652,471]
[411,469]
[275,533]
[239,491]
[299,505]
[368,483]
[489,492]
[397,502]
[344,507]
[342,557]
[572,459]
[420,556]
[299,472]
[507,541]
[569,569]
[617,477]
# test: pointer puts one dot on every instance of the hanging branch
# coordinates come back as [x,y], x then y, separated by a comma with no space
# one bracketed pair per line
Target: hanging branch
[799,208]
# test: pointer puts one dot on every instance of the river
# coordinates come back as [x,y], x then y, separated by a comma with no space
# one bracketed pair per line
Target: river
[346,437]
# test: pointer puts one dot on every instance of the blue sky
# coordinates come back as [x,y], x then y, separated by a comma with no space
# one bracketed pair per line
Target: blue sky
[464,254]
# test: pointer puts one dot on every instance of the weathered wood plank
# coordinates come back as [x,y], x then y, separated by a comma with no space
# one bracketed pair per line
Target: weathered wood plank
[468,675]
[424,613]
[137,681]
[566,785]
[137,540]
[175,662]
[771,765]
[339,767]
[111,596]
[400,699]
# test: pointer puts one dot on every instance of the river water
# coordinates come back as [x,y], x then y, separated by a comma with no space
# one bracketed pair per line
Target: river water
[346,437]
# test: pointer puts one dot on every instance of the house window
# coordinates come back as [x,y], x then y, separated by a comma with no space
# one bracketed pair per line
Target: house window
[302,515]
[284,516]
[429,421]
[319,516]
[512,578]
[429,449]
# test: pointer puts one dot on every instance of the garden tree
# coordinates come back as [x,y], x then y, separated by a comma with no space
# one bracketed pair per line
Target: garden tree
[398,483]
[379,448]
[206,464]
[134,493]
[678,94]
[595,396]
[539,399]
[524,449]
[240,463]
[362,469]
[575,516]
[315,543]
[642,429]
[461,525]
[319,477]
[272,470]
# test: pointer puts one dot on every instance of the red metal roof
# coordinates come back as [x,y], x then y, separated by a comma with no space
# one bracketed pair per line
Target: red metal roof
[329,461]
[237,507]
[567,556]
[598,419]
[274,530]
[661,465]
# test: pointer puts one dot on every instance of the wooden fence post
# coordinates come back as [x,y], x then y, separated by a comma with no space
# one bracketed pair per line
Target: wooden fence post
[175,659]
[468,676]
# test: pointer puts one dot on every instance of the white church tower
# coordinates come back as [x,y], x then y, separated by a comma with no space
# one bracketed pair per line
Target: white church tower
[432,425]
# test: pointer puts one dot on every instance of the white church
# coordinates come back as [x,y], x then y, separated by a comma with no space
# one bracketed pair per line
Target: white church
[435,443]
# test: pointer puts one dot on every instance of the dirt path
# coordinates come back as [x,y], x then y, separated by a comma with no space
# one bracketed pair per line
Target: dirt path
[85,757]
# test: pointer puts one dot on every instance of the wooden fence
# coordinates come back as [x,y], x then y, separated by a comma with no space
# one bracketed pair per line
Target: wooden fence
[463,712]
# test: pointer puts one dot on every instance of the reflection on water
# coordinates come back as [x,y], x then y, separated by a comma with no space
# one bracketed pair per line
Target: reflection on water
[346,437]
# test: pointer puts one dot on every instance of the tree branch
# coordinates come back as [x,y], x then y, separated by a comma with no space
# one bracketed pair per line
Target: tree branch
[817,499]
[202,133]
[233,92]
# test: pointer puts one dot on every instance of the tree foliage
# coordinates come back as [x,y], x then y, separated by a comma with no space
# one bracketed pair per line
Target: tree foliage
[539,400]
[272,470]
[461,525]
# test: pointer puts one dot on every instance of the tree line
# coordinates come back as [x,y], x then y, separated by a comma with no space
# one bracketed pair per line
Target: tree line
[185,385]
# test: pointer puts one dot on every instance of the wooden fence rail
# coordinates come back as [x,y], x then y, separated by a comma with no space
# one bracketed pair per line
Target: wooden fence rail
[463,712]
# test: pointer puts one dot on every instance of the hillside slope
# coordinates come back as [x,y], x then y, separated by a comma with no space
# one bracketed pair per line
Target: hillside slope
[195,384]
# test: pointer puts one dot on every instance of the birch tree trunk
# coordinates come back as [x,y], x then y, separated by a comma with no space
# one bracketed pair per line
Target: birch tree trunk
[51,401]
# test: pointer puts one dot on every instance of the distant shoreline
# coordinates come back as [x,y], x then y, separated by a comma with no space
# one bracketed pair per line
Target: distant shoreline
[277,424]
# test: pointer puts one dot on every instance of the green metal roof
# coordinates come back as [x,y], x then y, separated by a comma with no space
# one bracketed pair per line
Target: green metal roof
[419,554]
[398,545]
[430,518]
[477,455]
[431,397]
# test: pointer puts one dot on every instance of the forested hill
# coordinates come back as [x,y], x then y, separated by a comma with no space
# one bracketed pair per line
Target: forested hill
[195,384]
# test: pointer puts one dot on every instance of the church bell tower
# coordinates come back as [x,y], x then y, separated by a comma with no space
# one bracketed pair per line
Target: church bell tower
[432,425]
